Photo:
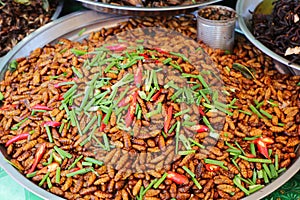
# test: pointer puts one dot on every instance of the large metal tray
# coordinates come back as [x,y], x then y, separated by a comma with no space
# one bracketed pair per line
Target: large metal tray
[243,8]
[142,11]
[69,27]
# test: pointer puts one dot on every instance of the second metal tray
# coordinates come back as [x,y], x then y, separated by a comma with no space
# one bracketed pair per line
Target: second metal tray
[143,11]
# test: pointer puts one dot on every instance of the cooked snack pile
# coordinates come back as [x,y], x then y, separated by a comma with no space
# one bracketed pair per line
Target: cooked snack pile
[152,3]
[280,31]
[147,115]
[20,18]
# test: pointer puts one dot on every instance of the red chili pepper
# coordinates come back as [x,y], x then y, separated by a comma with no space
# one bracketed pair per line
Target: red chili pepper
[144,55]
[52,123]
[262,148]
[38,156]
[177,178]
[201,112]
[41,107]
[131,110]
[117,47]
[102,126]
[22,136]
[125,101]
[49,168]
[262,143]
[60,98]
[156,95]
[212,168]
[161,51]
[74,169]
[168,119]
[199,128]
[250,155]
[7,107]
[138,76]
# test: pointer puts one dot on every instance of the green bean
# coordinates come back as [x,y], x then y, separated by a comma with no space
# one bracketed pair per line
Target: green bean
[258,160]
[252,149]
[196,143]
[49,184]
[81,171]
[267,170]
[255,111]
[49,134]
[177,136]
[189,171]
[215,162]
[57,175]
[159,181]
[44,179]
[88,126]
[268,115]
[237,181]
[94,161]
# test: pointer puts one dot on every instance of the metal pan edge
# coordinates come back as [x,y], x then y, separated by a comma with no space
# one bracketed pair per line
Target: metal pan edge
[142,11]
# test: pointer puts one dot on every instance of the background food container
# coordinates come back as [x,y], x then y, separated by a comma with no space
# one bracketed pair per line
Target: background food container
[215,26]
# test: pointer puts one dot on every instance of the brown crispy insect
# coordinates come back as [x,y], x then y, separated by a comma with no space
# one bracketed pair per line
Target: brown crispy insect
[293,142]
[67,184]
[57,191]
[111,185]
[226,188]
[102,195]
[102,179]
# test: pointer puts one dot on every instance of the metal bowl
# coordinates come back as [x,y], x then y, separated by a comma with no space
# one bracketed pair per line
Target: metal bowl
[69,27]
[58,10]
[243,8]
[143,11]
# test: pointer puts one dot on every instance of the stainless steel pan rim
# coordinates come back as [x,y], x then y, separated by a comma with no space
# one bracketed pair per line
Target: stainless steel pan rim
[68,27]
[132,10]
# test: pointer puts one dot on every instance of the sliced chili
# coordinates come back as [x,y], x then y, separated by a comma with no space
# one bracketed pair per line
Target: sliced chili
[177,178]
[131,111]
[201,112]
[116,47]
[38,156]
[103,125]
[212,168]
[52,123]
[168,119]
[74,169]
[262,143]
[41,107]
[199,128]
[22,136]
[156,95]
[262,148]
[138,76]
[125,101]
